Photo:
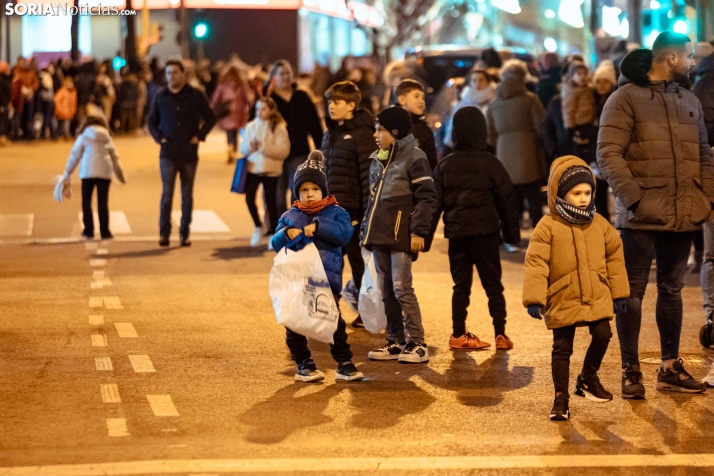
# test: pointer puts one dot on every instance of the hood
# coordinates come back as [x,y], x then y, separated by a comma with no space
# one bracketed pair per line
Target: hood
[97,133]
[469,129]
[559,166]
[511,88]
[634,68]
[362,117]
[706,66]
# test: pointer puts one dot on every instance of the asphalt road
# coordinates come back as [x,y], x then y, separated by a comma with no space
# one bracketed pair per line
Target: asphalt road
[123,358]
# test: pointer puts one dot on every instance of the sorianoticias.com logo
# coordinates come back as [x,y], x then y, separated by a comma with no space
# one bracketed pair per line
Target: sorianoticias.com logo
[63,9]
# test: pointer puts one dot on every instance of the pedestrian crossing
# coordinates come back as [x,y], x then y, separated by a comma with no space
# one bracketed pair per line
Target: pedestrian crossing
[25,225]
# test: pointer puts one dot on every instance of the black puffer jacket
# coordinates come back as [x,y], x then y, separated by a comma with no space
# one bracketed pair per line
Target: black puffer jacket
[425,139]
[347,148]
[704,90]
[475,193]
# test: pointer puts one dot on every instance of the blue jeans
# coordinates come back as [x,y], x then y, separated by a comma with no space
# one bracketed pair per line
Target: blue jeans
[671,251]
[187,174]
[394,271]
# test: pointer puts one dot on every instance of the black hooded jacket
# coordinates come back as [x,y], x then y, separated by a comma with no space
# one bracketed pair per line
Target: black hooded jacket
[704,90]
[347,148]
[475,193]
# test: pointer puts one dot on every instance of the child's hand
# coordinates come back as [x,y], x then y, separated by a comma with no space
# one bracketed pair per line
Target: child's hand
[310,230]
[620,305]
[293,233]
[535,311]
[417,244]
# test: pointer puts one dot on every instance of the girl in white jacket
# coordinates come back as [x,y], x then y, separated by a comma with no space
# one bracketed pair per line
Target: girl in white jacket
[266,145]
[96,156]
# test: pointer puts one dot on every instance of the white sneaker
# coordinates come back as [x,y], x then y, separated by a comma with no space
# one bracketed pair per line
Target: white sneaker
[414,354]
[709,379]
[270,242]
[350,294]
[257,236]
[391,351]
[512,248]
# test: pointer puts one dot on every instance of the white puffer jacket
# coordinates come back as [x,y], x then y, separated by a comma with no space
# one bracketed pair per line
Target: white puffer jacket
[95,154]
[274,147]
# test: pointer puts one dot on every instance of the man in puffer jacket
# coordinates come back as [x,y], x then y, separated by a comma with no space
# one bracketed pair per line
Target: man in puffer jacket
[654,152]
[347,145]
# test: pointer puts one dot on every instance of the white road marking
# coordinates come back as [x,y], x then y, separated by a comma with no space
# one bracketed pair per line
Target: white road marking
[162,405]
[101,284]
[338,465]
[202,221]
[96,301]
[17,225]
[98,274]
[141,363]
[95,320]
[97,262]
[91,246]
[125,329]
[110,393]
[169,429]
[112,302]
[103,363]
[116,427]
[118,223]
[99,340]
[102,251]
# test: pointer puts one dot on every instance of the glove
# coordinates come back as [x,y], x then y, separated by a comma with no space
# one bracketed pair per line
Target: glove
[620,305]
[535,311]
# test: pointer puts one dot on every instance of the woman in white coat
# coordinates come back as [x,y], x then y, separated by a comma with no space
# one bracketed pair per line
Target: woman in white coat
[266,145]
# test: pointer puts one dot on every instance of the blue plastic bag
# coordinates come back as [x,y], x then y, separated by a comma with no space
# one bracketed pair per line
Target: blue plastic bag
[240,176]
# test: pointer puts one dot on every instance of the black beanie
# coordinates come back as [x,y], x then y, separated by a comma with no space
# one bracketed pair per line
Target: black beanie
[396,120]
[312,170]
[574,176]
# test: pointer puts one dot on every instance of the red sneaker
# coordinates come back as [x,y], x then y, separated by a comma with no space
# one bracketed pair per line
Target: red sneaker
[467,341]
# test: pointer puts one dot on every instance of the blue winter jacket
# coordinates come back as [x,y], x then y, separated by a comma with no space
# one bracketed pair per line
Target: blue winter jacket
[334,230]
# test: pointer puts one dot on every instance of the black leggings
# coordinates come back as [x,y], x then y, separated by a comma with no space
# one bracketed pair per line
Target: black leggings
[270,187]
[102,206]
[563,348]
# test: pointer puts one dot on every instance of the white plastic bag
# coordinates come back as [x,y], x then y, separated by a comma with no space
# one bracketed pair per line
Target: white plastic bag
[301,294]
[63,188]
[371,307]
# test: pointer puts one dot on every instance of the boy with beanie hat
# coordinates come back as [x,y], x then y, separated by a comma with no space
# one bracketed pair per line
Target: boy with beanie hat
[575,276]
[316,218]
[395,227]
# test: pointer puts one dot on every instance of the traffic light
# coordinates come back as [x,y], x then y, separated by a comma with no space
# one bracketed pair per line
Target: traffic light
[200,30]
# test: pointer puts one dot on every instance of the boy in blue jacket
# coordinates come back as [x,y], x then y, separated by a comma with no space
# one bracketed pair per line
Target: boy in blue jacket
[318,220]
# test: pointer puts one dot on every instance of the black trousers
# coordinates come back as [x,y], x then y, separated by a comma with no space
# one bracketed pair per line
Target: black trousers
[483,252]
[354,255]
[563,348]
[530,193]
[270,187]
[102,186]
[602,198]
[340,350]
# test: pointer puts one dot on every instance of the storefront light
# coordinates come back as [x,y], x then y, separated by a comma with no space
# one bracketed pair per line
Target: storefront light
[655,5]
[625,28]
[510,6]
[681,26]
[550,44]
[611,20]
[549,13]
[570,13]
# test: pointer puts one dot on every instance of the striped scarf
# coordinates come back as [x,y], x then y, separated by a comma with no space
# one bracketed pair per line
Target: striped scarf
[574,214]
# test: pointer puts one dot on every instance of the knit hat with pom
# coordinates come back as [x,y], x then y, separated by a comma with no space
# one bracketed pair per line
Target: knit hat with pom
[312,170]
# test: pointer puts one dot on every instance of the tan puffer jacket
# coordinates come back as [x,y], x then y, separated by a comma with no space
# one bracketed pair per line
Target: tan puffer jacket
[653,149]
[574,271]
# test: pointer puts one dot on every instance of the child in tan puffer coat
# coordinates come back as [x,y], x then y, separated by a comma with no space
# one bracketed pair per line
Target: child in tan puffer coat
[575,276]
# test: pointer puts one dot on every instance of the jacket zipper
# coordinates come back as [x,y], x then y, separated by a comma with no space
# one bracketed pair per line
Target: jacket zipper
[396,226]
[379,192]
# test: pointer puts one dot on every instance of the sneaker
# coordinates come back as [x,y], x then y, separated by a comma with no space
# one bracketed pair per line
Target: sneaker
[390,351]
[592,389]
[467,341]
[677,379]
[512,248]
[107,236]
[307,372]
[357,323]
[560,410]
[347,371]
[414,354]
[164,240]
[185,241]
[709,379]
[503,342]
[270,242]
[257,237]
[632,387]
[350,294]
[87,236]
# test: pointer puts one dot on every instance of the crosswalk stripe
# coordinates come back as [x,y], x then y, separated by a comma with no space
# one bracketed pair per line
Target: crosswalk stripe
[162,405]
[110,393]
[96,320]
[99,340]
[126,329]
[203,221]
[17,224]
[116,427]
[118,223]
[103,363]
[142,364]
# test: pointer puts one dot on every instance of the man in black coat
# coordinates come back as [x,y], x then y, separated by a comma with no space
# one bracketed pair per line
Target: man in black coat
[479,203]
[180,118]
[410,95]
[347,146]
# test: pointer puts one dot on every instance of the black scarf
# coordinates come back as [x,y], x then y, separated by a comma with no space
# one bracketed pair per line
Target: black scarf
[574,214]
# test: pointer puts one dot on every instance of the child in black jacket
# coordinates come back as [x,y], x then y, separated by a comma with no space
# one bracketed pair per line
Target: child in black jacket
[411,96]
[478,201]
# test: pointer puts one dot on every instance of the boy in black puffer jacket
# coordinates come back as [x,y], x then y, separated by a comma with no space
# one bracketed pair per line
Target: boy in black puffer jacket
[347,145]
[478,201]
[411,96]
[395,228]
